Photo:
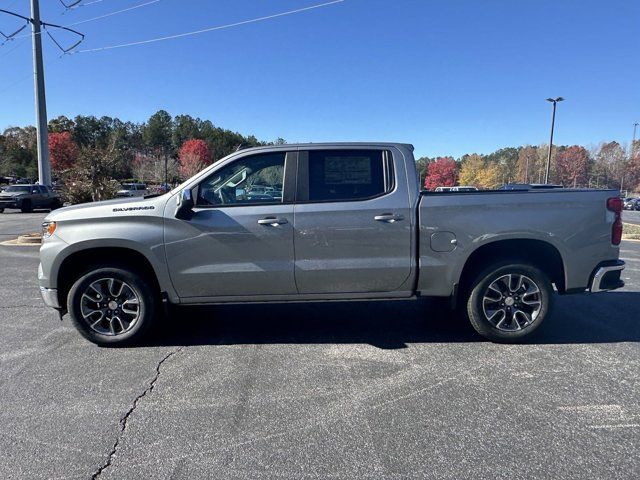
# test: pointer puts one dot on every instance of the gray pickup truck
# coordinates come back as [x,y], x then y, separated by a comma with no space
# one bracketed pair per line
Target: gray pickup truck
[314,222]
[28,197]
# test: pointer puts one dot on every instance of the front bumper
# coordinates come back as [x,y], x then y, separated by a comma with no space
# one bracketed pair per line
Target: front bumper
[50,297]
[9,204]
[607,276]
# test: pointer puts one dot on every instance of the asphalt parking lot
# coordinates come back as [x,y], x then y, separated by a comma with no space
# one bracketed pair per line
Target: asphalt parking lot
[631,216]
[341,390]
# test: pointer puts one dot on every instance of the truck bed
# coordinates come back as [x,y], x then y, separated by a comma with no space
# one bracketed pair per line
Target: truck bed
[455,225]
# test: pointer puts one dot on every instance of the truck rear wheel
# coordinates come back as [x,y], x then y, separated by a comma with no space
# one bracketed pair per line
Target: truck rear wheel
[112,306]
[509,300]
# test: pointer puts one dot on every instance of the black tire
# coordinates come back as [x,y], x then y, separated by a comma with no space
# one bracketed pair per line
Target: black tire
[55,205]
[1,210]
[518,309]
[138,285]
[26,206]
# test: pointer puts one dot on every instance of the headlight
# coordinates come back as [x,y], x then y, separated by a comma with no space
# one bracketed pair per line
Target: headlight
[48,228]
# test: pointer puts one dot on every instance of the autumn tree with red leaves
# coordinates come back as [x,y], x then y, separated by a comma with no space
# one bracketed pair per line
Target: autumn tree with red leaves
[63,151]
[443,172]
[572,166]
[194,156]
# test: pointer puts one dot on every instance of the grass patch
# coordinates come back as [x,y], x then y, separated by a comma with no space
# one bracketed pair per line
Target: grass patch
[631,231]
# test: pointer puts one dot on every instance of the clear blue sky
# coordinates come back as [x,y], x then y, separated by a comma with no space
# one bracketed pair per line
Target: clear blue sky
[449,76]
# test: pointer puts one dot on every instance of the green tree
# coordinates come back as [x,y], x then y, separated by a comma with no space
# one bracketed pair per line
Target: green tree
[61,124]
[185,127]
[157,133]
[506,162]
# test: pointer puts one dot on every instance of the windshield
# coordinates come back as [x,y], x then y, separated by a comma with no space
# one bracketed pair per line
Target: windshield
[128,186]
[18,188]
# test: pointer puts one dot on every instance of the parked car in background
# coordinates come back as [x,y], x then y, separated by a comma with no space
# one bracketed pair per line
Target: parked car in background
[457,188]
[631,203]
[29,197]
[132,190]
[352,224]
[528,186]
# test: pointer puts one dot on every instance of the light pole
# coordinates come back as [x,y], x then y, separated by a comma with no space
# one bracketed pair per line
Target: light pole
[553,121]
[633,142]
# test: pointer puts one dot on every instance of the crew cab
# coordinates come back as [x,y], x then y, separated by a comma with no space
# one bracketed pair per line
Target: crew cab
[27,197]
[351,224]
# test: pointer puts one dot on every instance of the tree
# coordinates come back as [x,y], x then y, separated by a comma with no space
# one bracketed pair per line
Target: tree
[632,174]
[572,165]
[18,155]
[63,151]
[610,164]
[506,161]
[479,172]
[151,168]
[527,163]
[443,172]
[422,164]
[92,178]
[60,124]
[185,127]
[194,156]
[157,133]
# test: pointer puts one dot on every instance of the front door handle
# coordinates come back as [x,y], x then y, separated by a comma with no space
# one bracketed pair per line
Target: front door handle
[388,218]
[272,221]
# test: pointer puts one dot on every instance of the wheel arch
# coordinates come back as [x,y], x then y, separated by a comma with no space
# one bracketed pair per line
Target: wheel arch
[538,253]
[81,260]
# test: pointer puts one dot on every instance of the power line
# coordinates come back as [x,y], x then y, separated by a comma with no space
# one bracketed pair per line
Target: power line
[67,25]
[40,24]
[17,82]
[86,4]
[112,13]
[71,4]
[15,47]
[210,29]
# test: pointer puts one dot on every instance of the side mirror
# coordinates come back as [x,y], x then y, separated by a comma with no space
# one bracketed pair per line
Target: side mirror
[184,210]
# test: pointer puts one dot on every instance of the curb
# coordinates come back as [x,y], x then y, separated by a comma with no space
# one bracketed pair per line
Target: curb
[29,240]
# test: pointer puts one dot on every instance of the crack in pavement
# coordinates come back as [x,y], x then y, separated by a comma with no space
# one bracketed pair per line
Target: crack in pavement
[125,419]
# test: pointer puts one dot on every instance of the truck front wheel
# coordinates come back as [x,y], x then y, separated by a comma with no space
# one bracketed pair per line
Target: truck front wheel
[508,301]
[112,306]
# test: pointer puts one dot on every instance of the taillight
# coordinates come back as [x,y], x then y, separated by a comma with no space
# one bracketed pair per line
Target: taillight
[614,204]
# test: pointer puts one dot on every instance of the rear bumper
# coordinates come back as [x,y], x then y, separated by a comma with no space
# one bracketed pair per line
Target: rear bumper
[607,276]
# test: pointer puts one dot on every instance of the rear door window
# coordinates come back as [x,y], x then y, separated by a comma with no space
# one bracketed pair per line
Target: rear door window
[346,175]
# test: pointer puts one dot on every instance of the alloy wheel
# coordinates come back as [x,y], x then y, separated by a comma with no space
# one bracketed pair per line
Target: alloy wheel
[110,306]
[512,302]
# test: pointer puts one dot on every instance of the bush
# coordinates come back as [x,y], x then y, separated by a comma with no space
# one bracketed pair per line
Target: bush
[91,180]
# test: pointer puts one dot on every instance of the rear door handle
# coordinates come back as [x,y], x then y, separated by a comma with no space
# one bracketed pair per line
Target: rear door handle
[272,221]
[388,217]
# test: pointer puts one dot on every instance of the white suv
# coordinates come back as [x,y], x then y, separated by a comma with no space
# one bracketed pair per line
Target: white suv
[133,190]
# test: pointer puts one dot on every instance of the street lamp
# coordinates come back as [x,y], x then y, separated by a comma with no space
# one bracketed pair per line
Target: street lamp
[553,121]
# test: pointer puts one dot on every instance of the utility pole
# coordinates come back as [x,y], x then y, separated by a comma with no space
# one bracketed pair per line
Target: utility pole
[553,121]
[44,165]
[633,142]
